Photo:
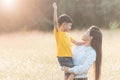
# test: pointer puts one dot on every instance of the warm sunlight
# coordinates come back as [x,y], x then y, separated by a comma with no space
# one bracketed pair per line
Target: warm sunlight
[9,4]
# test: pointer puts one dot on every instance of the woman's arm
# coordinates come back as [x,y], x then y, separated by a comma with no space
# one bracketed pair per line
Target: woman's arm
[80,69]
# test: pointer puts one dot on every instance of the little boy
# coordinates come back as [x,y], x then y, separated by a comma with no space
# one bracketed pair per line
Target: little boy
[64,54]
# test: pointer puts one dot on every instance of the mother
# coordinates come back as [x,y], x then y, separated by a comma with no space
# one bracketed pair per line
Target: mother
[86,55]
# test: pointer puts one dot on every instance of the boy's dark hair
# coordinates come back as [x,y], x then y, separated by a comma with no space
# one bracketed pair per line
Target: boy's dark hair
[64,18]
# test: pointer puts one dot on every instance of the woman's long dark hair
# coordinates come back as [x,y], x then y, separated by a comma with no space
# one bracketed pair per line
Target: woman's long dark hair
[96,43]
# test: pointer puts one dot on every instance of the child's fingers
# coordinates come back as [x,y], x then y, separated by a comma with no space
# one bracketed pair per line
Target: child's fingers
[54,5]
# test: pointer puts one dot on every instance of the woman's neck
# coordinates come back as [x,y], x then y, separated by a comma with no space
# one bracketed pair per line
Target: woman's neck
[87,43]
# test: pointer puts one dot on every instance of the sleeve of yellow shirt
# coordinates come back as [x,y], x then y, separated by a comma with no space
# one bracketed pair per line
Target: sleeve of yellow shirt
[55,31]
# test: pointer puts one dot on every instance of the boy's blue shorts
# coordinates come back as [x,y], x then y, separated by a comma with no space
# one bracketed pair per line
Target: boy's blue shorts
[66,61]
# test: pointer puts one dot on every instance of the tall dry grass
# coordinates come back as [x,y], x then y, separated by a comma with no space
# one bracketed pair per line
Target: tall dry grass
[32,56]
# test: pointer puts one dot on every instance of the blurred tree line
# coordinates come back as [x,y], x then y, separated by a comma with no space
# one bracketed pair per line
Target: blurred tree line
[38,14]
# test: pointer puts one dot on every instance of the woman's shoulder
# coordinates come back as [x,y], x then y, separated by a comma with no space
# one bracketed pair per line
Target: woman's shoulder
[89,49]
[92,50]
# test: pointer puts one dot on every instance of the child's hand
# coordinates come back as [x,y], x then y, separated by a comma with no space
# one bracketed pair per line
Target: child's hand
[66,69]
[54,5]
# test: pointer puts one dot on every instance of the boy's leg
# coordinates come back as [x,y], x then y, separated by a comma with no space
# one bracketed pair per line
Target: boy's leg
[67,75]
[66,61]
[69,62]
[61,61]
[71,77]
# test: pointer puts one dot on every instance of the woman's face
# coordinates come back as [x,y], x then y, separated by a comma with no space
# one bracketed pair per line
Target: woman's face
[86,36]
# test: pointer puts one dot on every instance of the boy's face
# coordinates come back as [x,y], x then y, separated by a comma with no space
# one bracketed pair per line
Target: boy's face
[66,26]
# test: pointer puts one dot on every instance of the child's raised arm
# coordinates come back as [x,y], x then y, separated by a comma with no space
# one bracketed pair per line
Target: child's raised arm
[55,16]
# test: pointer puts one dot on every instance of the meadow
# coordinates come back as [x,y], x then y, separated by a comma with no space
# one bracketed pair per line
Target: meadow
[32,56]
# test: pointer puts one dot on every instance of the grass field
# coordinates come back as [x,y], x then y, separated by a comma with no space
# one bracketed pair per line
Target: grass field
[32,56]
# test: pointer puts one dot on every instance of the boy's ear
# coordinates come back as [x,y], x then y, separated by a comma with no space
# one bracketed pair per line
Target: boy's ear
[63,24]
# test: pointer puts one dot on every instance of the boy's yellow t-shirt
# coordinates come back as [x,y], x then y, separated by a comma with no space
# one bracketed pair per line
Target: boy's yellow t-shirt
[63,41]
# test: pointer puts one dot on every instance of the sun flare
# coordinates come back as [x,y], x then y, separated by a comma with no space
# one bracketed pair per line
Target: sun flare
[9,4]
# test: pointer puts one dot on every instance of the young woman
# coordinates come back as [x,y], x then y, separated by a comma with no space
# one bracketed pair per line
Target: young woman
[88,54]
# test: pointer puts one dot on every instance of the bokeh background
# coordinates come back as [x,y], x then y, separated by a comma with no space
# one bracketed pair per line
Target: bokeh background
[38,14]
